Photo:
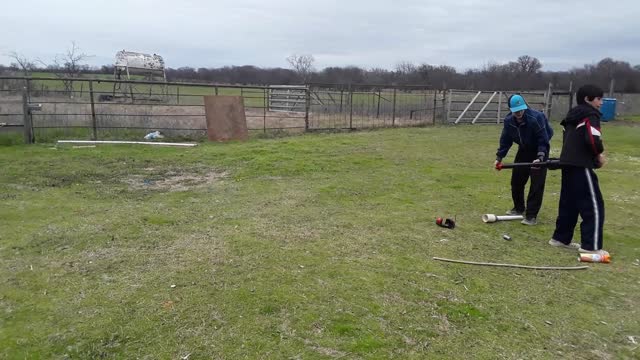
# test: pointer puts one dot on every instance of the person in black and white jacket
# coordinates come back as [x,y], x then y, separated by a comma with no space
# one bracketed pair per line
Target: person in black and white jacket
[582,152]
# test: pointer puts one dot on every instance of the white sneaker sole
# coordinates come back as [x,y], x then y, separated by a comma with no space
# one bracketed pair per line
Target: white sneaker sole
[599,252]
[556,243]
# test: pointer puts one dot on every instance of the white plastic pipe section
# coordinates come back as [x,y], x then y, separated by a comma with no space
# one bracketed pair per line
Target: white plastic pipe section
[491,218]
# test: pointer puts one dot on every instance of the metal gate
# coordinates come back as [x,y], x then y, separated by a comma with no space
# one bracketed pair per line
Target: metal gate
[16,111]
[490,107]
[287,98]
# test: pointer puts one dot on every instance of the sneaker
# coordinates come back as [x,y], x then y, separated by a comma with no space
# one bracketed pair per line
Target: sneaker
[514,212]
[556,243]
[599,252]
[529,221]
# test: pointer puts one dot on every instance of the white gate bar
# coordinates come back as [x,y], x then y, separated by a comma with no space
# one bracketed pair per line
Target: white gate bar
[468,106]
[484,107]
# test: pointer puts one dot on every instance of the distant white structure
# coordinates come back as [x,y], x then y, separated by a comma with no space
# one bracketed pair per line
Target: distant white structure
[151,67]
[128,62]
[133,60]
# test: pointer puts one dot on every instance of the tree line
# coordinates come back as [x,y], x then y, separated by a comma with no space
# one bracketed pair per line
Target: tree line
[524,73]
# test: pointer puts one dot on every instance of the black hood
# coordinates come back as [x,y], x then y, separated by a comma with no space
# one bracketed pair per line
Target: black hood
[579,113]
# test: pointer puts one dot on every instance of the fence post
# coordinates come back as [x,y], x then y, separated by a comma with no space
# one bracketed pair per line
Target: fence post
[350,107]
[28,89]
[131,92]
[570,95]
[612,87]
[435,104]
[393,111]
[449,106]
[264,110]
[378,112]
[550,105]
[307,106]
[178,95]
[28,125]
[93,112]
[547,101]
[444,105]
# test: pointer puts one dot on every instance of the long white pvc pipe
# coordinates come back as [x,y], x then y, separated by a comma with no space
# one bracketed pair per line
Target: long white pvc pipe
[125,142]
[491,218]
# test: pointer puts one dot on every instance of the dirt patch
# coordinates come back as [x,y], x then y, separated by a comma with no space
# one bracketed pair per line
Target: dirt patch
[173,181]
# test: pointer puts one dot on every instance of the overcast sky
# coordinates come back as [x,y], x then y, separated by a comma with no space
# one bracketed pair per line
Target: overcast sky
[366,33]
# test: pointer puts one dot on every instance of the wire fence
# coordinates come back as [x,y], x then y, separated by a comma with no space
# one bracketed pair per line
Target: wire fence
[372,106]
[104,109]
[49,109]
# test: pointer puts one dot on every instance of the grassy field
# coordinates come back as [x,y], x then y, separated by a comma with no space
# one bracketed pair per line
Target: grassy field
[309,247]
[631,118]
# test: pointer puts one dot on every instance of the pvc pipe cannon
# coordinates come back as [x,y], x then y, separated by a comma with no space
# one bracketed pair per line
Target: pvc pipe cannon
[491,218]
[552,164]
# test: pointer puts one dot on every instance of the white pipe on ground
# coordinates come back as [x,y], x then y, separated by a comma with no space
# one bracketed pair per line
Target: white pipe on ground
[491,218]
[125,142]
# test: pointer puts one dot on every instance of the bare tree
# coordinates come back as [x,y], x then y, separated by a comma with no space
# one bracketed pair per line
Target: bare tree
[423,71]
[405,67]
[22,62]
[302,65]
[405,71]
[528,64]
[69,66]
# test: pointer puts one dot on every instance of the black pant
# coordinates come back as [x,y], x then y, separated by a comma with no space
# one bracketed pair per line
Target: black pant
[519,178]
[580,194]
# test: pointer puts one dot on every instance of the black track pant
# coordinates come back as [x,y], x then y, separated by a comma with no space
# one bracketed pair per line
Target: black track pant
[580,195]
[519,178]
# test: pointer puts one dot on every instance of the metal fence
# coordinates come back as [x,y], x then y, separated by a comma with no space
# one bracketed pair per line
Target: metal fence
[99,109]
[372,106]
[44,110]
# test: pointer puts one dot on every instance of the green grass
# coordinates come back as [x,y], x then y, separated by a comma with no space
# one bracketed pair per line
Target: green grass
[630,118]
[316,246]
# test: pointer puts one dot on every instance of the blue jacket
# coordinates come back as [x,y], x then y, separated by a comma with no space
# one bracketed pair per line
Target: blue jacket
[532,135]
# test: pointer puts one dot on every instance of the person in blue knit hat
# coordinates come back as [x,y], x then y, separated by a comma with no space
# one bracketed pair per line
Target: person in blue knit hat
[529,129]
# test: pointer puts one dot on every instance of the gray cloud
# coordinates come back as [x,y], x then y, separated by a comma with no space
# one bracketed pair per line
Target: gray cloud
[372,33]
